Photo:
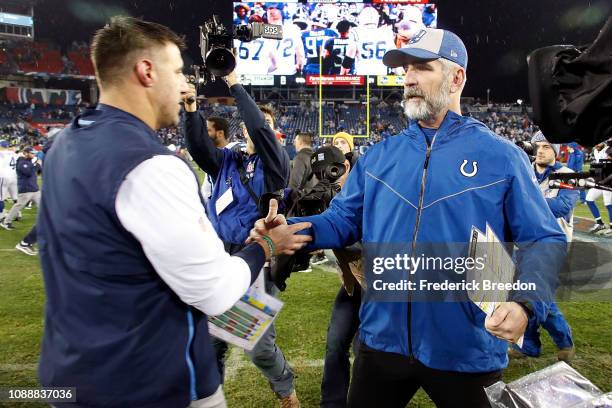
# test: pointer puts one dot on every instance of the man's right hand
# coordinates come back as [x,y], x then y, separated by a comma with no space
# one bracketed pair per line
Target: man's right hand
[282,235]
[190,93]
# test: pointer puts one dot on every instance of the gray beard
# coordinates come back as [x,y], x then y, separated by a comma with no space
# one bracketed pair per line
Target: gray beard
[427,108]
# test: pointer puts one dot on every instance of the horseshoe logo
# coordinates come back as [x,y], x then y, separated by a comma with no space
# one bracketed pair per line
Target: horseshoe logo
[474,169]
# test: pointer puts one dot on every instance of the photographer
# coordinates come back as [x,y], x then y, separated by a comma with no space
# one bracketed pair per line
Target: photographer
[301,170]
[561,202]
[344,320]
[238,184]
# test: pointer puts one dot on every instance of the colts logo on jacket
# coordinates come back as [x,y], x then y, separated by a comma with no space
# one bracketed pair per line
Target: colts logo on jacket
[469,171]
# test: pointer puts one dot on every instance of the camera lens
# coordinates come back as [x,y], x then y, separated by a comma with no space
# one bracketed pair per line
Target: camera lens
[220,61]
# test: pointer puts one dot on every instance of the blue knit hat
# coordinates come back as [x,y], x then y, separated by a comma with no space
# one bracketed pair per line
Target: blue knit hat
[539,137]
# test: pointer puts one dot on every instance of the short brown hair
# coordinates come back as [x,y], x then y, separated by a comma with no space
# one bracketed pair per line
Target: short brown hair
[305,138]
[267,109]
[112,44]
[220,124]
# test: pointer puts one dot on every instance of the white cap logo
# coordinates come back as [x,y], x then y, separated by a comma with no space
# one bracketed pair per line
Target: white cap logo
[417,37]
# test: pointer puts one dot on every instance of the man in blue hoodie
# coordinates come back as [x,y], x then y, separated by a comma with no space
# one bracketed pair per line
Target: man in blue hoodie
[27,186]
[431,185]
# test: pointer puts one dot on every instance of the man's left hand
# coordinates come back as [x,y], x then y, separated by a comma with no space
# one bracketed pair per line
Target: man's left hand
[231,79]
[508,322]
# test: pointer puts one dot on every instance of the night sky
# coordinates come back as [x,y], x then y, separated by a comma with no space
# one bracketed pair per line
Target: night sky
[498,34]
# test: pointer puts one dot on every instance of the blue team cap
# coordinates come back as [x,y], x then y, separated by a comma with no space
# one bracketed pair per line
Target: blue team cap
[4,143]
[427,45]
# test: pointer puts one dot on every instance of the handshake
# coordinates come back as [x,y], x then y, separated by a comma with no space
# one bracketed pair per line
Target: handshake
[275,236]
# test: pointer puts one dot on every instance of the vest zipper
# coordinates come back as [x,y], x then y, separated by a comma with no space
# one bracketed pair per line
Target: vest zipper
[192,375]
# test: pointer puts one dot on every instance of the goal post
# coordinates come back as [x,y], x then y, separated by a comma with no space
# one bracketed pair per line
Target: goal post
[320,98]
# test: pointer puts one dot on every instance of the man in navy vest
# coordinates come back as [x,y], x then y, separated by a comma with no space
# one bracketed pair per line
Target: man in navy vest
[131,263]
[238,183]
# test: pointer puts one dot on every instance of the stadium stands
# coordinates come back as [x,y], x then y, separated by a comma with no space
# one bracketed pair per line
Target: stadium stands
[45,57]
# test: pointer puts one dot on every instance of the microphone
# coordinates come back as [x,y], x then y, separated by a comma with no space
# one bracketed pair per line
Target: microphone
[587,183]
[561,185]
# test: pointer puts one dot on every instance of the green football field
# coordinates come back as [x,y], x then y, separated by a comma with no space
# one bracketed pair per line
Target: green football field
[302,328]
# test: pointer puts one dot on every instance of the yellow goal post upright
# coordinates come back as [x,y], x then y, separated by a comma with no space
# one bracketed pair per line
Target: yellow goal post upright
[367,85]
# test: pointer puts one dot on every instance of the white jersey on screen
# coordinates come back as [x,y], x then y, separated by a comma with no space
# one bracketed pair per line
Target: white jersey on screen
[254,57]
[372,44]
[289,50]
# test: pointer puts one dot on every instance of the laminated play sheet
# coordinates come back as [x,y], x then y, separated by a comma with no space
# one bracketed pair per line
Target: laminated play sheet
[498,267]
[244,324]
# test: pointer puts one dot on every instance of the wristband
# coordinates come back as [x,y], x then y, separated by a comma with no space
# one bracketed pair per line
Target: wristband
[527,308]
[270,244]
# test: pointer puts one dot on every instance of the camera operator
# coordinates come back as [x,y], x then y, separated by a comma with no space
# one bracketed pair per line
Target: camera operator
[561,202]
[238,184]
[301,170]
[344,320]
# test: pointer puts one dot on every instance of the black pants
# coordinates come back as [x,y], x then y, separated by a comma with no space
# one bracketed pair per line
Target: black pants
[31,238]
[389,380]
[343,325]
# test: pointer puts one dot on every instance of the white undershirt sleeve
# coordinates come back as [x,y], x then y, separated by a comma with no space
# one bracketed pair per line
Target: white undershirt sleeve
[158,203]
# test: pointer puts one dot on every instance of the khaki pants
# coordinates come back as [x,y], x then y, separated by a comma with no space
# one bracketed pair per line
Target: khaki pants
[22,201]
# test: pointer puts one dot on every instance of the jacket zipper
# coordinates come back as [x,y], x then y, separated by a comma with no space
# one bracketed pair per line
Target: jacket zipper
[414,236]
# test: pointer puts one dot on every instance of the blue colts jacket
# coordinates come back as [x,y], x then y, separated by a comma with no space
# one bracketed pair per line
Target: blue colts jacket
[404,192]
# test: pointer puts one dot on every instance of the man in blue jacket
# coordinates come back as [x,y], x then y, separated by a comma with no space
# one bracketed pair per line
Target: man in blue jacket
[575,162]
[27,185]
[431,184]
[561,202]
[238,183]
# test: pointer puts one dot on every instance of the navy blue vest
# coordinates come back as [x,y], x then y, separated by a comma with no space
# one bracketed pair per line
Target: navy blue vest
[113,328]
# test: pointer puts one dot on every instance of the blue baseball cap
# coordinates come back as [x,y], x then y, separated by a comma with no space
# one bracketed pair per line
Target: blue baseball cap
[427,45]
[4,143]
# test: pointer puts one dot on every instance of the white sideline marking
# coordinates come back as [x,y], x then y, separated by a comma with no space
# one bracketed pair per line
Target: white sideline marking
[237,361]
[234,363]
[18,367]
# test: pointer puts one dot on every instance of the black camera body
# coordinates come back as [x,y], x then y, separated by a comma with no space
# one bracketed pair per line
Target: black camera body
[216,46]
[327,166]
[571,94]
